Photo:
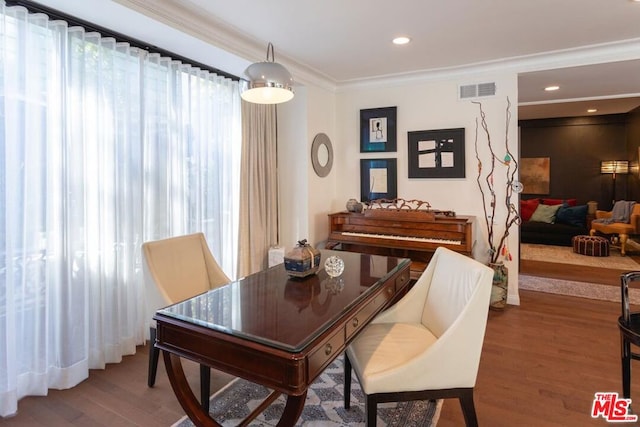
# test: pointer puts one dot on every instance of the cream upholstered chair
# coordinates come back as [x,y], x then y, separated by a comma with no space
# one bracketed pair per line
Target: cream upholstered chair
[428,345]
[179,268]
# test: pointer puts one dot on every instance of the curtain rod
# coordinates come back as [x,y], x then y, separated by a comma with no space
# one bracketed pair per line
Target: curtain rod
[34,7]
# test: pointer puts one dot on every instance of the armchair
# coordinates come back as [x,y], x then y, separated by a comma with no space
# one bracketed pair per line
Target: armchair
[428,345]
[176,269]
[615,222]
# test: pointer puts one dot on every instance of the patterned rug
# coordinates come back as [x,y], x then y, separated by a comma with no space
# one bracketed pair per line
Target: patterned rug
[324,406]
[565,255]
[576,289]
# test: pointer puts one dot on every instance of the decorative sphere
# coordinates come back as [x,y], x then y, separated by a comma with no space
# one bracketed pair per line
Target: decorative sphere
[334,266]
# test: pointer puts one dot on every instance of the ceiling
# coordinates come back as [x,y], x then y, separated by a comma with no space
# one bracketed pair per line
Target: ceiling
[350,41]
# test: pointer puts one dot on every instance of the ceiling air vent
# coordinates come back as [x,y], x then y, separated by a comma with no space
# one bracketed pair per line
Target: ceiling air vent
[477,90]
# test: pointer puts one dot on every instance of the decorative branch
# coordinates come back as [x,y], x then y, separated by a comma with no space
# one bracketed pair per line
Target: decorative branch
[487,186]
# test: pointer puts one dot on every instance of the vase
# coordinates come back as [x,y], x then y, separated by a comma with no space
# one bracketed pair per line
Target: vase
[354,206]
[499,286]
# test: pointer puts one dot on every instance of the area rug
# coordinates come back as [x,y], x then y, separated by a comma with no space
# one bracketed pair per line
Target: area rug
[324,405]
[565,255]
[576,289]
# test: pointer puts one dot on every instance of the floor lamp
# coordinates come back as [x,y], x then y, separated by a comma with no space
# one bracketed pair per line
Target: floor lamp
[614,167]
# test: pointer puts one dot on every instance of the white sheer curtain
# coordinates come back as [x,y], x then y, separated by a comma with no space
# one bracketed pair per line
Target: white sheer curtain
[102,147]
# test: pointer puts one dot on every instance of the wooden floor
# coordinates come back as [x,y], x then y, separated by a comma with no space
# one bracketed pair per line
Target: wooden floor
[541,364]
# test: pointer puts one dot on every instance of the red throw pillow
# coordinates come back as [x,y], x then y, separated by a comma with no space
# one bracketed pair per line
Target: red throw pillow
[527,208]
[569,202]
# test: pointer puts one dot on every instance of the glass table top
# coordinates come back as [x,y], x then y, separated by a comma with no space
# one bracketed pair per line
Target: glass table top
[274,309]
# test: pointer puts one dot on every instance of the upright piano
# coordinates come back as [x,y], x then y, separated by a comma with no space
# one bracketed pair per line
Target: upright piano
[400,233]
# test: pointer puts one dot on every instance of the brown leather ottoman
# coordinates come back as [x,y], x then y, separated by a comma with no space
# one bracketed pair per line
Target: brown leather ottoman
[590,245]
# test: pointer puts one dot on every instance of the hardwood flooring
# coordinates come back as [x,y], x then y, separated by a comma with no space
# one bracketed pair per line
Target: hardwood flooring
[541,364]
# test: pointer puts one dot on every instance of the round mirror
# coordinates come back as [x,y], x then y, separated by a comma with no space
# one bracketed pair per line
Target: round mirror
[321,155]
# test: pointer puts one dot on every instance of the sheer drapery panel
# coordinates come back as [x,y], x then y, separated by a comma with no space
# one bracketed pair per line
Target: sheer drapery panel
[102,147]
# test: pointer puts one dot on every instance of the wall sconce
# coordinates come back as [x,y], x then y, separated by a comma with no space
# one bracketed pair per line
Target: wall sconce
[614,167]
[269,82]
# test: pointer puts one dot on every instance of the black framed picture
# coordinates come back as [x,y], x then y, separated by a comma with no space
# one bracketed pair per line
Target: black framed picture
[436,153]
[378,179]
[378,130]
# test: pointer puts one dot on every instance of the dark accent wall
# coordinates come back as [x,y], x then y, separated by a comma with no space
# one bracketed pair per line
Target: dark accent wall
[576,146]
[633,145]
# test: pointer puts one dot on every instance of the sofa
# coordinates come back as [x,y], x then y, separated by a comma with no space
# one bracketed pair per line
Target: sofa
[552,221]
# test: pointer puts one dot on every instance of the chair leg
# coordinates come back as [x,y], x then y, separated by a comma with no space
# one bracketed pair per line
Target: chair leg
[626,368]
[468,408]
[347,382]
[371,409]
[154,354]
[205,387]
[623,243]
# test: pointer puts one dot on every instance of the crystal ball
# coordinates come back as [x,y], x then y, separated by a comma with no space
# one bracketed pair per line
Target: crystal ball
[334,266]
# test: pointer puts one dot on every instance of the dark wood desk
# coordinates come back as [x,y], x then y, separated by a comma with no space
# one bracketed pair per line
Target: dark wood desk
[274,330]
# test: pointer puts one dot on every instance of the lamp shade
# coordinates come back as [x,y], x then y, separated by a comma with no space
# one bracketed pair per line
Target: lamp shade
[269,82]
[614,166]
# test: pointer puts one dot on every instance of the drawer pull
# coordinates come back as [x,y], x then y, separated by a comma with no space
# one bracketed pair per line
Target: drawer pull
[355,322]
[390,291]
[328,349]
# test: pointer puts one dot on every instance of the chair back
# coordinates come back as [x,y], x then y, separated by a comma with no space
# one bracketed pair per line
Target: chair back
[181,267]
[460,288]
[626,280]
[635,218]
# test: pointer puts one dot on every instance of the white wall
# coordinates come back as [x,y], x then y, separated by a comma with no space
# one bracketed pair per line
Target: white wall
[321,119]
[431,105]
[292,170]
[305,198]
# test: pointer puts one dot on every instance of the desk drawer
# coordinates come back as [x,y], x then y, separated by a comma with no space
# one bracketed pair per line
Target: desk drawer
[401,280]
[360,318]
[320,358]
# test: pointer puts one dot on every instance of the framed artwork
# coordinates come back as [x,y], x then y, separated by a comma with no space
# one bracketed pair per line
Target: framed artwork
[378,130]
[534,175]
[378,179]
[436,153]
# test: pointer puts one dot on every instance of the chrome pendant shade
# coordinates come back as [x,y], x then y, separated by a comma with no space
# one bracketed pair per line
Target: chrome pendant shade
[269,82]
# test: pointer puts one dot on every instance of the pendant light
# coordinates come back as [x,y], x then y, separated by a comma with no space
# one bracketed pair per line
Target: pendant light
[269,82]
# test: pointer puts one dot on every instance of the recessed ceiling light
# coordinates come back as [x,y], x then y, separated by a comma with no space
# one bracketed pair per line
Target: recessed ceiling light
[593,110]
[551,88]
[401,40]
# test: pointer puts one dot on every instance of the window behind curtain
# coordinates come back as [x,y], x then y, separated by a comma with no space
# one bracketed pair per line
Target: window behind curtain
[102,147]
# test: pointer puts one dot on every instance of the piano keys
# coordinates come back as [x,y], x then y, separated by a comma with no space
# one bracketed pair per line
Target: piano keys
[400,233]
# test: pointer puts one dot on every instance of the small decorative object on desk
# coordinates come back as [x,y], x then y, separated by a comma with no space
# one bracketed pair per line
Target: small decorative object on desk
[354,206]
[334,266]
[303,260]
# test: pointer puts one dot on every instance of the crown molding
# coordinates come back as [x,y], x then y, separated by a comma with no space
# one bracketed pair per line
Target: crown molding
[583,99]
[624,50]
[198,23]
